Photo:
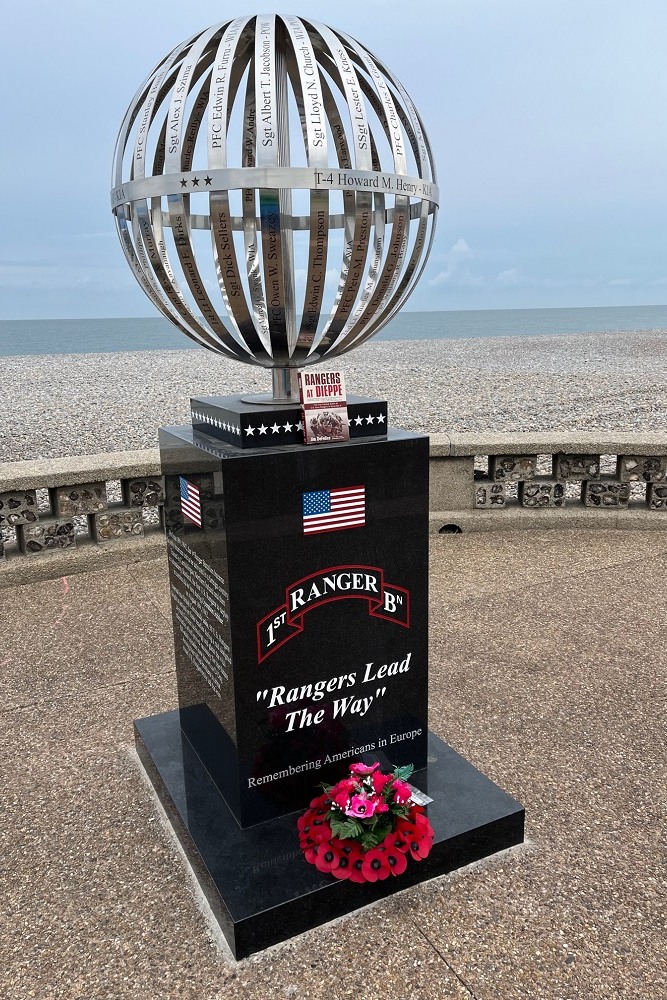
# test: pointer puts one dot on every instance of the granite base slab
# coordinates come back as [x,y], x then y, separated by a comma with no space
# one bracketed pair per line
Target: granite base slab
[257,882]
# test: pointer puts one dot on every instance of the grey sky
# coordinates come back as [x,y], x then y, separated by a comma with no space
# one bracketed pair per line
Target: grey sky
[546,118]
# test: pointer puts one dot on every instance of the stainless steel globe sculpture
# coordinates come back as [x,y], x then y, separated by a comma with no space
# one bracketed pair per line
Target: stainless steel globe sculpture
[274,192]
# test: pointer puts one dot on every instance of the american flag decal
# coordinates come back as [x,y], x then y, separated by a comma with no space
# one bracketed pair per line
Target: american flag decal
[190,502]
[334,510]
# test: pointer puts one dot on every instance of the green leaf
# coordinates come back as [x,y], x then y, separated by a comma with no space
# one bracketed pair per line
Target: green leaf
[382,829]
[369,840]
[403,773]
[346,829]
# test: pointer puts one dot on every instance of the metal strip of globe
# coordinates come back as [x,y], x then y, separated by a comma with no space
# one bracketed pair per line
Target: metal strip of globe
[358,229]
[267,153]
[421,152]
[398,238]
[251,224]
[227,72]
[357,208]
[141,222]
[307,89]
[233,178]
[299,222]
[285,196]
[132,113]
[176,159]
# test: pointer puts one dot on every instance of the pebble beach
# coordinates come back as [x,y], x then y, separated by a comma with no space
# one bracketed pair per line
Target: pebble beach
[76,404]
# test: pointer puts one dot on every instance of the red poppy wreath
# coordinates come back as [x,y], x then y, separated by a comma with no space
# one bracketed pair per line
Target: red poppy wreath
[365,827]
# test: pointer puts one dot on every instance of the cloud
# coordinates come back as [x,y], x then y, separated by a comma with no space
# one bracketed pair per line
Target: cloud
[461,250]
[509,278]
[620,281]
[456,272]
[460,279]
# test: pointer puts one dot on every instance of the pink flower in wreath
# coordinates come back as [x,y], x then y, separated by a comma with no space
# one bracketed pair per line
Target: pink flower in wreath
[362,769]
[361,806]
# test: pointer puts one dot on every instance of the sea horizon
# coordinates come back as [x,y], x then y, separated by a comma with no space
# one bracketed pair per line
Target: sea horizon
[25,337]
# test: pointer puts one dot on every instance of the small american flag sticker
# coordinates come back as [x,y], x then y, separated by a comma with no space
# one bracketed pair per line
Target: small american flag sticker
[190,502]
[334,510]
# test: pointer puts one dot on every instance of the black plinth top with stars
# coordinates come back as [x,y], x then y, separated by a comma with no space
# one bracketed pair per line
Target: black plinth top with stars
[255,425]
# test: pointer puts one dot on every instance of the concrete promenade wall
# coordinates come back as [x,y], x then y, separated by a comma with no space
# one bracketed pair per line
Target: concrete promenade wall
[67,515]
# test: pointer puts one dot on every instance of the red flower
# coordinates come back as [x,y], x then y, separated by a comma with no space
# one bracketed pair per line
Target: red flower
[360,768]
[310,853]
[402,792]
[394,842]
[420,846]
[366,792]
[306,820]
[327,858]
[356,870]
[380,780]
[374,866]
[342,869]
[320,831]
[344,785]
[395,860]
[305,828]
[341,799]
[403,831]
[419,822]
[350,854]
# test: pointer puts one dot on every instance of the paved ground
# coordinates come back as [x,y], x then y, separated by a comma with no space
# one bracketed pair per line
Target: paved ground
[547,672]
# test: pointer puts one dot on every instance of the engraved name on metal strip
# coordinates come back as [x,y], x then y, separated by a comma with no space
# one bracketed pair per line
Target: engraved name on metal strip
[293,178]
[310,103]
[178,156]
[357,203]
[228,68]
[267,155]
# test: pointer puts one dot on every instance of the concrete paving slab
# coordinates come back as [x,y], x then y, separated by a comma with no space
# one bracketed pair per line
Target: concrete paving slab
[152,579]
[467,567]
[98,903]
[60,636]
[546,672]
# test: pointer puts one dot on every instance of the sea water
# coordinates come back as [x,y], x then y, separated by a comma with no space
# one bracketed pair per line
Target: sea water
[86,336]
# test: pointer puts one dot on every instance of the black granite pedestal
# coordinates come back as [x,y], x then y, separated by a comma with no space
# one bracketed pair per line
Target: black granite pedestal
[257,882]
[299,587]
